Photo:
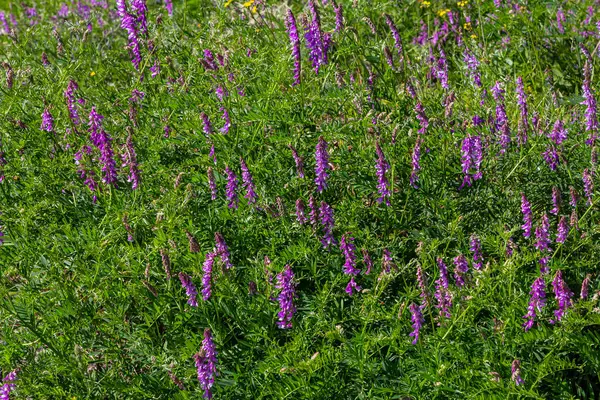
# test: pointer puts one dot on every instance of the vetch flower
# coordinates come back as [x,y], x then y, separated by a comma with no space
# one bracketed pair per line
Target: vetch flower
[102,141]
[141,9]
[422,118]
[327,221]
[396,35]
[527,216]
[588,185]
[461,267]
[349,250]
[248,183]
[225,117]
[536,302]
[423,287]
[130,161]
[169,7]
[314,211]
[563,296]
[128,23]
[190,289]
[367,261]
[212,184]
[206,364]
[387,263]
[290,23]
[300,217]
[339,18]
[555,201]
[232,184]
[475,247]
[316,41]
[516,373]
[524,116]
[472,66]
[222,250]
[591,116]
[417,322]
[416,166]
[207,271]
[501,118]
[442,293]
[381,167]
[47,121]
[559,133]
[562,230]
[285,282]
[207,127]
[352,287]
[298,160]
[322,164]
[72,103]
[585,285]
[8,385]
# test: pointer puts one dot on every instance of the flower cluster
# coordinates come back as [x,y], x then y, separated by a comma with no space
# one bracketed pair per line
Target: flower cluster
[285,282]
[206,364]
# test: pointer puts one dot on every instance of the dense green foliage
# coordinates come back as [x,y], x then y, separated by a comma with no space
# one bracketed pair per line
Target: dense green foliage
[78,318]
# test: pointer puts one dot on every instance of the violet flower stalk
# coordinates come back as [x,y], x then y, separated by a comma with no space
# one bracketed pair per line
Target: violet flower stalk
[562,230]
[555,201]
[248,183]
[232,184]
[299,162]
[422,118]
[206,125]
[169,7]
[190,289]
[349,250]
[472,66]
[222,250]
[441,70]
[71,102]
[501,118]
[527,216]
[396,35]
[316,41]
[551,157]
[322,164]
[314,211]
[367,261]
[300,217]
[417,322]
[422,287]
[416,166]
[327,221]
[559,133]
[563,296]
[339,17]
[442,293]
[536,302]
[461,267]
[130,161]
[382,167]
[588,185]
[102,141]
[128,23]
[206,360]
[591,117]
[475,247]
[207,271]
[542,235]
[524,116]
[290,23]
[47,121]
[285,282]
[515,370]
[471,158]
[225,117]
[585,286]
[141,9]
[8,385]
[387,263]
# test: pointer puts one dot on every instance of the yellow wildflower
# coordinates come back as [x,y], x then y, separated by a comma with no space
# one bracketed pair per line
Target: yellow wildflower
[467,26]
[248,3]
[227,3]
[473,36]
[92,73]
[441,13]
[426,3]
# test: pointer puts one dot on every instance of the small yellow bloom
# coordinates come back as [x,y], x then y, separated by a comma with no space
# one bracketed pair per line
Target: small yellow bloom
[473,36]
[426,3]
[248,3]
[92,73]
[227,3]
[254,10]
[467,26]
[441,13]
[462,3]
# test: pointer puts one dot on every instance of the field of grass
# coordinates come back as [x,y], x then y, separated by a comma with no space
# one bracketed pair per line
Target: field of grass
[299,200]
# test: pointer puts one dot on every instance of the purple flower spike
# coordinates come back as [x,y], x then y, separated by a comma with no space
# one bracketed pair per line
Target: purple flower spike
[442,294]
[396,35]
[349,249]
[461,268]
[524,117]
[471,158]
[72,102]
[527,216]
[423,287]
[352,287]
[225,117]
[516,373]
[314,211]
[585,286]
[102,141]
[387,263]
[130,161]
[562,230]
[472,66]
[555,201]
[417,322]
[416,166]
[322,164]
[206,360]
[300,217]
[169,7]
[326,218]
[422,118]
[316,41]
[222,250]
[588,186]
[47,121]
[207,270]
[141,9]
[559,133]
[475,247]
[339,17]
[542,235]
[248,183]
[128,23]
[536,302]
[207,127]
[501,118]
[292,29]
[367,261]
[381,167]
[285,282]
[232,184]
[8,385]
[299,162]
[563,296]
[190,289]
[591,116]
